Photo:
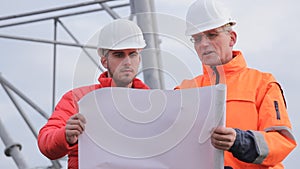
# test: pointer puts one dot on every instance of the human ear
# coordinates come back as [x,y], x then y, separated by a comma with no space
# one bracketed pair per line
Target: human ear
[233,38]
[104,61]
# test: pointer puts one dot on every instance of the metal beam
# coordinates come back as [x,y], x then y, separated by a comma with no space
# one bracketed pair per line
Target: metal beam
[12,149]
[52,9]
[77,42]
[112,13]
[47,41]
[143,10]
[21,95]
[60,16]
[24,116]
[54,65]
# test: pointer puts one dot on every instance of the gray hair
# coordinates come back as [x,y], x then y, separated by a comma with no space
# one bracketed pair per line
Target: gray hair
[227,27]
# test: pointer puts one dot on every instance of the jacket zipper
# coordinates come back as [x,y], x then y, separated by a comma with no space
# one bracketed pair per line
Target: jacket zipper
[214,68]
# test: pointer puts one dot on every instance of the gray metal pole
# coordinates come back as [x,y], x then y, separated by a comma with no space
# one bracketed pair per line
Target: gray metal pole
[12,149]
[77,42]
[157,44]
[52,9]
[54,65]
[60,16]
[47,41]
[143,9]
[18,107]
[21,95]
[112,13]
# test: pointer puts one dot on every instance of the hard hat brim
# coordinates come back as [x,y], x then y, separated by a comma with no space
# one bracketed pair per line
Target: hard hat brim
[195,29]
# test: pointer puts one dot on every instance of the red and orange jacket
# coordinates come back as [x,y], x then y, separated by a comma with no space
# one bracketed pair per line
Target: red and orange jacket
[256,108]
[52,139]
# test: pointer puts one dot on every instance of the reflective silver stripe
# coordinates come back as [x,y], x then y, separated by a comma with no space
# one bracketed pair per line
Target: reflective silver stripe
[262,146]
[283,130]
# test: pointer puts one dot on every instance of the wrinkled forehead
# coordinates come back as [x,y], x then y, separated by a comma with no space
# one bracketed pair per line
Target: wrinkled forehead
[215,30]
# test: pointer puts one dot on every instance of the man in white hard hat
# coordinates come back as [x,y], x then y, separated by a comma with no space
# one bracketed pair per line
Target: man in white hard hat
[120,44]
[258,130]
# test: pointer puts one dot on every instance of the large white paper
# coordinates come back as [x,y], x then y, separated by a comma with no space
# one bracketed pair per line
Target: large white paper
[151,129]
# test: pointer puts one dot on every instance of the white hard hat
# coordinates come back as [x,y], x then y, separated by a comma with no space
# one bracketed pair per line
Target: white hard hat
[121,34]
[205,15]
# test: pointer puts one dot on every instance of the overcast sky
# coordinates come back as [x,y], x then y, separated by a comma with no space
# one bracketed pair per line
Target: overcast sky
[267,35]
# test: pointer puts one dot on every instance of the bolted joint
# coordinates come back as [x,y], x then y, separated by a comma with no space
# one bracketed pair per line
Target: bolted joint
[11,147]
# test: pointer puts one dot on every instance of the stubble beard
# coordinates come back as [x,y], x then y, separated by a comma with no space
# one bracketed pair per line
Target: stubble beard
[119,82]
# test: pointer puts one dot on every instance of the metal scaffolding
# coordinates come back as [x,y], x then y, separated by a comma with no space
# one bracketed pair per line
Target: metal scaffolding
[142,10]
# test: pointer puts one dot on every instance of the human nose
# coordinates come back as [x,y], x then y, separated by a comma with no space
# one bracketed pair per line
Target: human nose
[127,60]
[204,42]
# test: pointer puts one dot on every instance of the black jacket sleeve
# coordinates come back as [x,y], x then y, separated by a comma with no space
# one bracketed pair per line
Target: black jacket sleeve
[244,147]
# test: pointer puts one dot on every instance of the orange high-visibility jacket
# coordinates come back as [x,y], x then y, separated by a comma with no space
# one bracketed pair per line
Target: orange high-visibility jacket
[255,103]
[52,139]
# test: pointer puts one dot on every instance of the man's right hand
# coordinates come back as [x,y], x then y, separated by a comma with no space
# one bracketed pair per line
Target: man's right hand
[74,127]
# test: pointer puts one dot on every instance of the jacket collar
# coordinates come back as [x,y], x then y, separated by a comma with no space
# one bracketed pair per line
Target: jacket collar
[237,64]
[106,81]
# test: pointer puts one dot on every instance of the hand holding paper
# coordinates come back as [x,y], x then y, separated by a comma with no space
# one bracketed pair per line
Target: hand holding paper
[74,127]
[147,129]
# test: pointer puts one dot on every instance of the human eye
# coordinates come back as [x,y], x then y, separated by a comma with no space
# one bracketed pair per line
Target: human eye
[196,39]
[118,54]
[212,35]
[133,54]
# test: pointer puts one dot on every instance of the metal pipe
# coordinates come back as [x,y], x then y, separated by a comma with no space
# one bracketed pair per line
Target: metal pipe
[52,9]
[60,16]
[54,65]
[77,42]
[26,99]
[12,149]
[157,44]
[26,119]
[47,41]
[151,66]
[112,13]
